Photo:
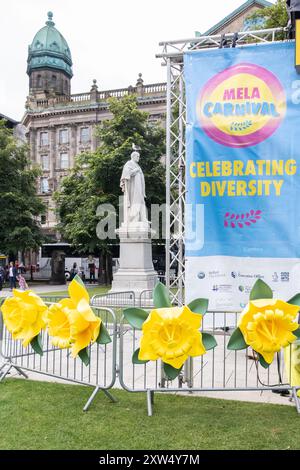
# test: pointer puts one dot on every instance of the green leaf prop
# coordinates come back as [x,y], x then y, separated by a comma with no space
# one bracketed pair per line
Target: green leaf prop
[84,356]
[36,344]
[209,341]
[161,296]
[103,337]
[171,372]
[236,341]
[262,362]
[135,358]
[296,333]
[135,317]
[295,300]
[198,306]
[261,290]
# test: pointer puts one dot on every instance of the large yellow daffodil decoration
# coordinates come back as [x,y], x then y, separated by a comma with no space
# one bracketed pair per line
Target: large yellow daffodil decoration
[72,323]
[292,364]
[171,334]
[24,316]
[266,324]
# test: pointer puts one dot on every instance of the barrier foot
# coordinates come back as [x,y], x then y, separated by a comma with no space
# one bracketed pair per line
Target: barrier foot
[92,397]
[110,396]
[150,401]
[21,372]
[9,367]
[296,399]
[4,374]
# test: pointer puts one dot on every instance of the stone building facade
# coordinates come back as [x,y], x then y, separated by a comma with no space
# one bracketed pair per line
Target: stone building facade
[59,124]
[237,20]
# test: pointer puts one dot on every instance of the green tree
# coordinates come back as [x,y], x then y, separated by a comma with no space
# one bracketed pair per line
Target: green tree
[19,203]
[271,17]
[95,179]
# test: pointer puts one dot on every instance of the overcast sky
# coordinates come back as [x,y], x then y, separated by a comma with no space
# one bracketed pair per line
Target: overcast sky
[110,40]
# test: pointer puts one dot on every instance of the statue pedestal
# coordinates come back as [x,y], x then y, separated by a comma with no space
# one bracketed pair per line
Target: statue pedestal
[136,272]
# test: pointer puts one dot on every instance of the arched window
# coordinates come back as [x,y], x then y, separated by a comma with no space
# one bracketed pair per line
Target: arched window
[39,81]
[54,81]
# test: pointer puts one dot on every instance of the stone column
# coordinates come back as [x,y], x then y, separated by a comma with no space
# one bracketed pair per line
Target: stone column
[93,137]
[73,144]
[33,145]
[52,152]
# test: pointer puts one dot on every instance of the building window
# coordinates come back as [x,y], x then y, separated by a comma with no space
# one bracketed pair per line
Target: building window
[43,219]
[44,185]
[44,138]
[64,161]
[84,135]
[54,80]
[45,162]
[39,81]
[64,136]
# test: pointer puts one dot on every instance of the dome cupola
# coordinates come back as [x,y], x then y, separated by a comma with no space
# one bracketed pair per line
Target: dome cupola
[49,63]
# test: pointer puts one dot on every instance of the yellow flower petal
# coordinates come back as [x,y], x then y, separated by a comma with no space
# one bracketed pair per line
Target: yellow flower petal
[268,356]
[67,303]
[81,341]
[85,310]
[146,352]
[177,362]
[77,292]
[194,319]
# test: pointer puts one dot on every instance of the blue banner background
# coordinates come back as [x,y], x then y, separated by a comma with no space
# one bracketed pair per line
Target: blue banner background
[277,234]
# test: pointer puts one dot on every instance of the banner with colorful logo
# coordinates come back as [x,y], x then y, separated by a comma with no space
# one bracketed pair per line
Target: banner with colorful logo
[242,175]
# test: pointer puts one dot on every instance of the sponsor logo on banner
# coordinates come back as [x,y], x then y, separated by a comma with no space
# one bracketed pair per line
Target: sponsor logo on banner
[241,106]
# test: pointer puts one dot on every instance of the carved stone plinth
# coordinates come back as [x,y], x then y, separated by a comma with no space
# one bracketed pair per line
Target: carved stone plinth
[136,272]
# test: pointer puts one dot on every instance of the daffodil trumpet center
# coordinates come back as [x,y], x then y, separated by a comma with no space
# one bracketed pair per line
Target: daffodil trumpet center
[171,334]
[268,325]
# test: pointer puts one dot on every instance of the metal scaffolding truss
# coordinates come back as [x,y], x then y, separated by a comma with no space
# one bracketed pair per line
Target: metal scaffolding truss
[172,55]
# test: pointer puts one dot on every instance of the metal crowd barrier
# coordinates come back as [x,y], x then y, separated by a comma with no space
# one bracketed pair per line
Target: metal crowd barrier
[146,299]
[58,363]
[218,370]
[114,299]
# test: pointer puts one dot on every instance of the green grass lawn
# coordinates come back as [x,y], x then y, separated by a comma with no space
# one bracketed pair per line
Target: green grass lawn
[39,415]
[91,290]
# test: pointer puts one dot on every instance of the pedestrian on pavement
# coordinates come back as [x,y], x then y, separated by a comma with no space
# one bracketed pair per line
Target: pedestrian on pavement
[12,275]
[73,271]
[92,268]
[22,282]
[2,277]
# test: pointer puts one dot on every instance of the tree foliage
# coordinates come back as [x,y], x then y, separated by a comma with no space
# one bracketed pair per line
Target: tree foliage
[19,203]
[95,179]
[275,16]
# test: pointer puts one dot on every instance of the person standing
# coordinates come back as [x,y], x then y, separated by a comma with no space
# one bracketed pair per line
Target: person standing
[92,268]
[12,276]
[2,277]
[73,271]
[22,282]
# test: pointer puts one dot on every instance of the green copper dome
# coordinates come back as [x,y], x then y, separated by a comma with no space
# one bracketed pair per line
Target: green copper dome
[49,49]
